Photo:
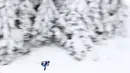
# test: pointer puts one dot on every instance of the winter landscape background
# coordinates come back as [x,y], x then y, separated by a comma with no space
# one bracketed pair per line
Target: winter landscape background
[112,56]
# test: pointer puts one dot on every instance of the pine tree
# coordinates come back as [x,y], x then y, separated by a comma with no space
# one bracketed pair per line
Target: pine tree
[14,20]
[44,22]
[78,40]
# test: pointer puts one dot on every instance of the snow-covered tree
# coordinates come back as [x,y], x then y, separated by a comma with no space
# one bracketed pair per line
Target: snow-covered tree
[72,17]
[15,23]
[44,22]
[107,17]
[113,17]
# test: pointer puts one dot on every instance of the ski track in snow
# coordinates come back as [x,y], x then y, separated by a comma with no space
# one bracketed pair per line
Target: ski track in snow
[111,57]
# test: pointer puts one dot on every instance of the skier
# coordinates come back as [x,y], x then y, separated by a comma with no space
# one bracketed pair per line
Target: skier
[44,64]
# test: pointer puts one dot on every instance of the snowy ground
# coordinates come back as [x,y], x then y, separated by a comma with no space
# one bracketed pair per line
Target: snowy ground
[111,57]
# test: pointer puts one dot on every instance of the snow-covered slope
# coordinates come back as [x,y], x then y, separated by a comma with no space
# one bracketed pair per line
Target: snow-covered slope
[112,58]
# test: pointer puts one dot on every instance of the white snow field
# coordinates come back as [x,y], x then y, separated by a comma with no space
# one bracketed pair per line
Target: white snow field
[112,56]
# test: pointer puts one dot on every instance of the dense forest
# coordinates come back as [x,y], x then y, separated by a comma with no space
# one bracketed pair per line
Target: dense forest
[74,25]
